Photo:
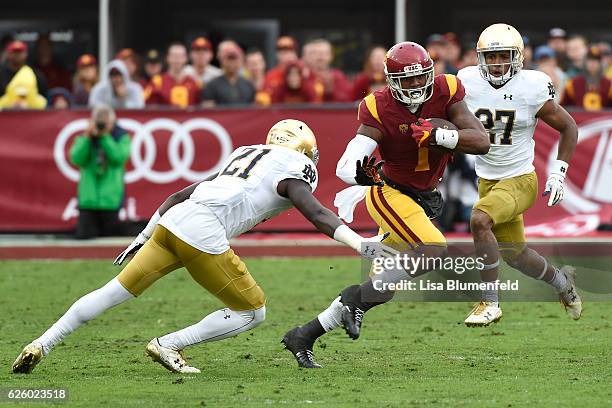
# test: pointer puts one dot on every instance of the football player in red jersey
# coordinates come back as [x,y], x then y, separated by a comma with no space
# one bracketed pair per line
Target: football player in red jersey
[401,195]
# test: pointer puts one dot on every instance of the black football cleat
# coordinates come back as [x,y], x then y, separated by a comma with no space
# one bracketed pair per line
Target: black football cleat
[352,316]
[301,348]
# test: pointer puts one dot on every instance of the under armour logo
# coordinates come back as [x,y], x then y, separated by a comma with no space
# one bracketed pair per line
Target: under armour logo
[368,251]
[227,315]
[507,97]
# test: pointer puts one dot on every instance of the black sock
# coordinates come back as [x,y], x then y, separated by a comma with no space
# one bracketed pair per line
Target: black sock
[364,296]
[370,297]
[313,329]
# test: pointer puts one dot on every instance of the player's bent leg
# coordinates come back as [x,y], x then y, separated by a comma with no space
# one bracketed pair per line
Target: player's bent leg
[219,325]
[499,203]
[300,340]
[487,311]
[410,228]
[534,265]
[151,262]
[83,310]
[225,276]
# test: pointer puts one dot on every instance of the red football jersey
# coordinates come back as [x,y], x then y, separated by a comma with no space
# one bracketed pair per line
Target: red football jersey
[164,90]
[406,163]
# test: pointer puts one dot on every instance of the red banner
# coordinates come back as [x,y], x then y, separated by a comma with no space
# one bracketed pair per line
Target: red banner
[172,149]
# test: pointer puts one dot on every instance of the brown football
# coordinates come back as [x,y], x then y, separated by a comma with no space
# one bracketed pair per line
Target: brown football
[442,123]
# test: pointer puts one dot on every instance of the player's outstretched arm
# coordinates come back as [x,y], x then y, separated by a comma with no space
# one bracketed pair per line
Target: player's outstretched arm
[324,219]
[147,232]
[356,166]
[558,118]
[473,138]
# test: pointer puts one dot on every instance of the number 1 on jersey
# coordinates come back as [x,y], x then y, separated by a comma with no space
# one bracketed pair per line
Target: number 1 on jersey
[239,161]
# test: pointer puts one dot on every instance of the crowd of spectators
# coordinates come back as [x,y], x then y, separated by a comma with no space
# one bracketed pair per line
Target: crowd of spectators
[201,75]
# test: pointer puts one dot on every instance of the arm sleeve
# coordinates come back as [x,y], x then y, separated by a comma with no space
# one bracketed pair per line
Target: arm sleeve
[303,169]
[79,152]
[117,152]
[357,148]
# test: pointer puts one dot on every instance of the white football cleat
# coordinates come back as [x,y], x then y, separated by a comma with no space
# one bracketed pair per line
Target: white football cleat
[28,358]
[569,297]
[173,360]
[483,314]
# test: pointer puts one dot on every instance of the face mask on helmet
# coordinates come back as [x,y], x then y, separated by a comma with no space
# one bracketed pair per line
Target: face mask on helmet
[414,95]
[509,69]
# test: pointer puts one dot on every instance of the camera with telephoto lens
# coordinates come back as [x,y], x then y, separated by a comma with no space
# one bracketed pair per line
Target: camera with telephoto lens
[100,126]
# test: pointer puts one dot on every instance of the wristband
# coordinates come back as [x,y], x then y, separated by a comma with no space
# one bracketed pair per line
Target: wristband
[447,138]
[559,168]
[349,237]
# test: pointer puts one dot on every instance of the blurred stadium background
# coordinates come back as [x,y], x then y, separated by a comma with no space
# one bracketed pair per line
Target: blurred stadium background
[179,142]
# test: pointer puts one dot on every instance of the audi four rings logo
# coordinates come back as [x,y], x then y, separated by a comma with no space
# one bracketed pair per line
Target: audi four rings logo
[142,136]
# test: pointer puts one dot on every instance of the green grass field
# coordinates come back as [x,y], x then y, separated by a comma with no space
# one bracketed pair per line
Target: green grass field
[410,354]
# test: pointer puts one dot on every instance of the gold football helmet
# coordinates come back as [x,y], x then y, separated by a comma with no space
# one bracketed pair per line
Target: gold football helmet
[295,135]
[500,37]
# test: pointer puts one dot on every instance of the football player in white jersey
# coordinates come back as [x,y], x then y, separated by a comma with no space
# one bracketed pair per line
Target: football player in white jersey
[192,228]
[509,101]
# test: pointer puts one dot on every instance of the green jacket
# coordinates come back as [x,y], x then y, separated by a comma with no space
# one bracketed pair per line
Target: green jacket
[102,164]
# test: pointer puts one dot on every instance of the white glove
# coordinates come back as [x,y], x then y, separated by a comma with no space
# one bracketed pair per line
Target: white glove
[554,184]
[360,244]
[377,249]
[140,239]
[131,249]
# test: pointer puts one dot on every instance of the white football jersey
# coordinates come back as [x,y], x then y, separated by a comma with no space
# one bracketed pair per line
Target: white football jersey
[509,116]
[240,197]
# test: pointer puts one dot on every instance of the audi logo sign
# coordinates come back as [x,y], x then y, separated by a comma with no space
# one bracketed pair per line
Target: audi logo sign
[142,136]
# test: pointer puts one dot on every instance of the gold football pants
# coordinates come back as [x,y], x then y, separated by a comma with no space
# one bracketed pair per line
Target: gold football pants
[224,275]
[505,201]
[402,217]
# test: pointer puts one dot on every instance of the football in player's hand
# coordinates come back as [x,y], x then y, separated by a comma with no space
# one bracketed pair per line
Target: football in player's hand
[445,124]
[442,123]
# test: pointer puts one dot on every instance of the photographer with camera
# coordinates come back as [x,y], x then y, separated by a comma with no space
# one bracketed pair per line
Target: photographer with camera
[101,154]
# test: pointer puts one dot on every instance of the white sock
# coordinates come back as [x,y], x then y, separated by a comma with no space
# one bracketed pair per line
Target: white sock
[82,311]
[559,281]
[331,317]
[218,325]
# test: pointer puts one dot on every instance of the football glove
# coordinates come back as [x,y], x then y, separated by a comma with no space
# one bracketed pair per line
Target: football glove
[554,184]
[422,131]
[367,172]
[372,248]
[131,249]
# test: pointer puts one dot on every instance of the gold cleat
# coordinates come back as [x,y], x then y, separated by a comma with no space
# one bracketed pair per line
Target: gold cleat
[483,314]
[569,298]
[29,357]
[173,360]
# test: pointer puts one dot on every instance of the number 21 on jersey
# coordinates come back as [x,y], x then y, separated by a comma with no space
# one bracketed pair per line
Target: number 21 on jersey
[244,162]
